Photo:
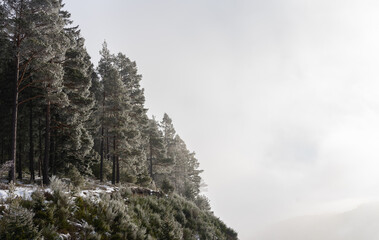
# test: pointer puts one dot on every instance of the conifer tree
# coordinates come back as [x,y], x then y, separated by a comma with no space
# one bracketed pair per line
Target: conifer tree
[73,124]
[183,170]
[15,16]
[50,72]
[116,107]
[6,80]
[169,132]
[186,173]
[155,149]
[33,29]
[137,118]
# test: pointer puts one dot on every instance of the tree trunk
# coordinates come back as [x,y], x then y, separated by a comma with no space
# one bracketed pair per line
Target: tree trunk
[45,170]
[101,154]
[114,162]
[102,143]
[2,149]
[19,167]
[107,148]
[151,161]
[40,148]
[117,169]
[53,154]
[14,120]
[31,143]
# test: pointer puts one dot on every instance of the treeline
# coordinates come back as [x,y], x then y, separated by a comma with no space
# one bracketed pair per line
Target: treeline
[60,115]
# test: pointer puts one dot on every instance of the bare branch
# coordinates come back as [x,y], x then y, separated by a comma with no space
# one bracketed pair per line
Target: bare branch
[29,99]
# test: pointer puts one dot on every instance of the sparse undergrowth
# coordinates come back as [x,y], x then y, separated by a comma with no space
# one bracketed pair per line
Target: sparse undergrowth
[61,213]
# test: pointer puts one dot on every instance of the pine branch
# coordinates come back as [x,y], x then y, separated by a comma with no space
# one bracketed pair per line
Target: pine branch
[29,99]
[30,84]
[25,67]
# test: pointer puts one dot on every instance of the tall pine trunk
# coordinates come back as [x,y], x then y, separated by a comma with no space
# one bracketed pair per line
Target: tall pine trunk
[54,154]
[151,160]
[107,148]
[40,148]
[102,154]
[14,118]
[117,169]
[102,142]
[31,143]
[45,169]
[2,150]
[20,153]
[114,161]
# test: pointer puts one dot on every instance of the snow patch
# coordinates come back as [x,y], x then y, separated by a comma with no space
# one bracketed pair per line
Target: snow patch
[24,192]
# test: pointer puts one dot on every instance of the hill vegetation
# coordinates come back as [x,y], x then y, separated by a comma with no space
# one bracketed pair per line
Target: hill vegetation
[66,212]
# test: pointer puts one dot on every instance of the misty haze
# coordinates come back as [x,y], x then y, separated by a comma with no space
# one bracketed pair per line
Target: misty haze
[202,119]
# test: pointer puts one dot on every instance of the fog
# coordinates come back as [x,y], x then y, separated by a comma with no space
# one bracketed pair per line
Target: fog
[278,98]
[360,223]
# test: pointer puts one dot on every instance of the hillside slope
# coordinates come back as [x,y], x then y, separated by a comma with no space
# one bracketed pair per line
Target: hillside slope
[61,213]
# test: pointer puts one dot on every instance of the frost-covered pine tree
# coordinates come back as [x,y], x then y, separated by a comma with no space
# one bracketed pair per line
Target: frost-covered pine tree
[116,108]
[157,161]
[50,71]
[75,141]
[34,29]
[137,118]
[186,174]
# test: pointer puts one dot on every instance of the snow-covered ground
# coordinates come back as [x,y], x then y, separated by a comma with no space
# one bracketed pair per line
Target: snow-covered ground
[25,191]
[95,193]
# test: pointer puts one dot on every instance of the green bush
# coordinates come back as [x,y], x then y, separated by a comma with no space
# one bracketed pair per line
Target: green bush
[17,223]
[76,177]
[167,187]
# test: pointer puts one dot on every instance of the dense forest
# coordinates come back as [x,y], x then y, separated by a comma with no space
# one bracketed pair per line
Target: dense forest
[61,116]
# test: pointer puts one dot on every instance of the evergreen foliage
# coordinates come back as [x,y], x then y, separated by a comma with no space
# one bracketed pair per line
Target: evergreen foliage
[116,215]
[17,223]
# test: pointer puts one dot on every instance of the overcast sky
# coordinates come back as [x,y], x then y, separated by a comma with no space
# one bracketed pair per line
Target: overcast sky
[278,98]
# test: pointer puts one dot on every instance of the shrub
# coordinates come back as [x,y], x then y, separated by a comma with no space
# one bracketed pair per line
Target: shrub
[17,223]
[76,177]
[167,187]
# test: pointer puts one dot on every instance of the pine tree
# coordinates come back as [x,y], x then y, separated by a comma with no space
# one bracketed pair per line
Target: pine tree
[33,28]
[75,141]
[94,123]
[6,80]
[50,73]
[155,149]
[169,132]
[116,107]
[182,170]
[186,173]
[16,28]
[104,66]
[137,118]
